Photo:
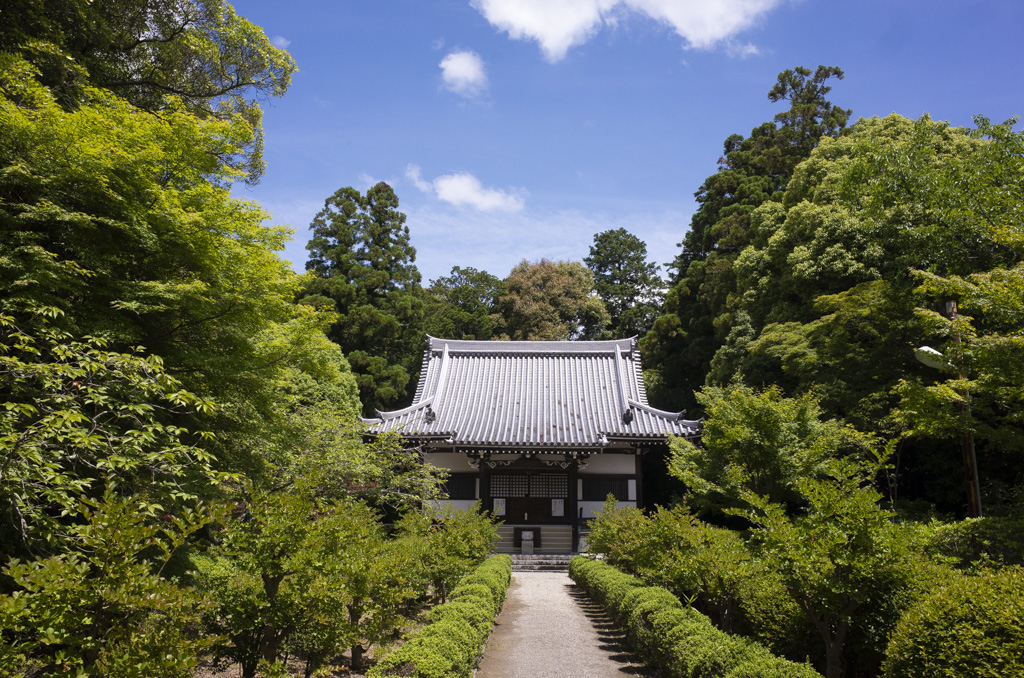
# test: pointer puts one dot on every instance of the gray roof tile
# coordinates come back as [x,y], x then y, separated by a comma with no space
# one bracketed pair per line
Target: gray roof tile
[563,394]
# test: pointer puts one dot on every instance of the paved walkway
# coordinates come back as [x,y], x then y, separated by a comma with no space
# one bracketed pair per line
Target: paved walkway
[549,629]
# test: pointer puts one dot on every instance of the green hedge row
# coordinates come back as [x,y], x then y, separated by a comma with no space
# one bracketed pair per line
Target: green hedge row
[970,625]
[676,639]
[453,639]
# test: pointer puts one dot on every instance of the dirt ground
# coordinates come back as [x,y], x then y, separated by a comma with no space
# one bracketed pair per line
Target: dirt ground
[296,667]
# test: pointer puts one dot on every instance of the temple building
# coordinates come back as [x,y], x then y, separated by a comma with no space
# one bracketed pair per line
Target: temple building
[539,432]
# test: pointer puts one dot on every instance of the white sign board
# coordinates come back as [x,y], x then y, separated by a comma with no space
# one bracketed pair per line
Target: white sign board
[499,507]
[557,508]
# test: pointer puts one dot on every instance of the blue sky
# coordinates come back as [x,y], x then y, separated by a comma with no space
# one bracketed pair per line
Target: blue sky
[517,129]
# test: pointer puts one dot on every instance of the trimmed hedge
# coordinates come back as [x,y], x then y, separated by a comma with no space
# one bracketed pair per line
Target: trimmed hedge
[676,639]
[972,625]
[453,639]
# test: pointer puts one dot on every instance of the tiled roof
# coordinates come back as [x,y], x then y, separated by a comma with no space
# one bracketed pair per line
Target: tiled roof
[564,394]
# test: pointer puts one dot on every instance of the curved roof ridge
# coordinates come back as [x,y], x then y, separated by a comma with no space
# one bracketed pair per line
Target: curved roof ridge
[678,416]
[384,416]
[514,346]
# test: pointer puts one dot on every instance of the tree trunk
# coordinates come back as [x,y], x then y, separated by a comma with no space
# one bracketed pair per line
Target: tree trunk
[834,667]
[271,640]
[834,636]
[354,615]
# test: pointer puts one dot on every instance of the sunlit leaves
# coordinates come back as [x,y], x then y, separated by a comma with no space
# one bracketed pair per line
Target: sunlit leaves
[78,419]
[549,301]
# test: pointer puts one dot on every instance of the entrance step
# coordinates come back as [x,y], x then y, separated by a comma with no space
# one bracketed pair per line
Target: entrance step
[540,563]
[554,539]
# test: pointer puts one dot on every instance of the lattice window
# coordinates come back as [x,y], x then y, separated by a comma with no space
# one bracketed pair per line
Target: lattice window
[509,485]
[549,486]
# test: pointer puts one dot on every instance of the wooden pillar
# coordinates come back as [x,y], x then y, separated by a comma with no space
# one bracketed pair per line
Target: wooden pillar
[485,485]
[639,479]
[572,502]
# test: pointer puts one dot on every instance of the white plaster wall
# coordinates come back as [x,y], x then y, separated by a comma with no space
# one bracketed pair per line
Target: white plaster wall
[454,503]
[590,506]
[453,461]
[621,464]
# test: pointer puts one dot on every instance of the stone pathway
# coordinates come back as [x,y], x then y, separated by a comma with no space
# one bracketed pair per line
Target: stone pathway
[549,629]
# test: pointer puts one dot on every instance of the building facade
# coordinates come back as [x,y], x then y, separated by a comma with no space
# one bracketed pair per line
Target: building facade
[539,432]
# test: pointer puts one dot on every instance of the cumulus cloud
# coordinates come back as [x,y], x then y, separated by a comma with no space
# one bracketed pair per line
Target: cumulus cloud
[463,73]
[558,25]
[463,189]
[280,42]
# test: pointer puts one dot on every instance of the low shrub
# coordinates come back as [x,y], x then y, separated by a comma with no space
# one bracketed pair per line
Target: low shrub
[972,625]
[452,641]
[988,540]
[676,639]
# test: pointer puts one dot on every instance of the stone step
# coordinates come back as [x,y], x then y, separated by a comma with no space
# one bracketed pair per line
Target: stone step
[540,563]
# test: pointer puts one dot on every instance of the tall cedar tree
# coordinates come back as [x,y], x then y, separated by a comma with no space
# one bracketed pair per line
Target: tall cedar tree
[625,281]
[696,317]
[363,266]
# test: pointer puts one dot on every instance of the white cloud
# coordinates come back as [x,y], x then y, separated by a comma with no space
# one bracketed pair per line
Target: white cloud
[412,173]
[741,51]
[463,73]
[558,25]
[280,42]
[463,189]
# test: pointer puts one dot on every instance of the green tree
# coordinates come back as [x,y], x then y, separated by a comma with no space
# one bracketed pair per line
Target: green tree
[452,542]
[697,315]
[843,561]
[154,54]
[460,305]
[625,281]
[362,266]
[79,419]
[125,223]
[828,304]
[985,353]
[550,301]
[102,607]
[761,442]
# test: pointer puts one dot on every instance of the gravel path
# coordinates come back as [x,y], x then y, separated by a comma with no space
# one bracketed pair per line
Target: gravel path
[548,628]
